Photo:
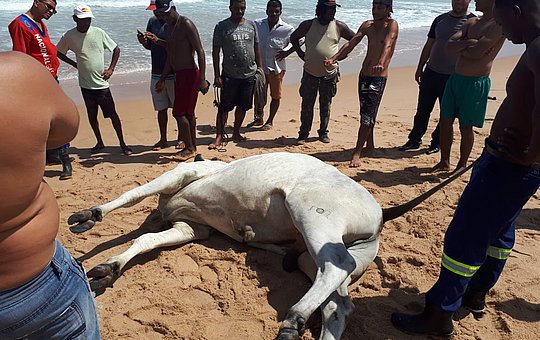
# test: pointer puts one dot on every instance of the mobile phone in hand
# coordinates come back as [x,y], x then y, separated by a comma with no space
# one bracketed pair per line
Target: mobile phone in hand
[139,33]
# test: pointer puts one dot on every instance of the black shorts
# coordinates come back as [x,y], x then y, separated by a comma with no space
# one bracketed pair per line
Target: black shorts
[236,92]
[99,98]
[370,91]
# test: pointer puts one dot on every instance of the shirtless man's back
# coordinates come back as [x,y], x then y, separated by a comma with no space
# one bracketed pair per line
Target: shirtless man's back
[36,115]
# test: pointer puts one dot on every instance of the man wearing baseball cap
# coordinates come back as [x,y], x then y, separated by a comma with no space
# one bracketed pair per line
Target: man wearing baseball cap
[89,44]
[322,35]
[183,42]
[154,39]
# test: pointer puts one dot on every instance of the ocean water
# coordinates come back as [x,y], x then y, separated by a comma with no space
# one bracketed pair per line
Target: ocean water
[121,18]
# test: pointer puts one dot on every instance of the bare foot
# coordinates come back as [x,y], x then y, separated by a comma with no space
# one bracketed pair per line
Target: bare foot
[161,144]
[216,143]
[440,167]
[458,168]
[368,151]
[126,150]
[97,148]
[184,155]
[355,161]
[238,138]
[180,145]
[266,127]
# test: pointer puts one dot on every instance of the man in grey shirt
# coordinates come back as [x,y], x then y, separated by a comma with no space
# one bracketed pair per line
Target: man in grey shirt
[432,79]
[237,38]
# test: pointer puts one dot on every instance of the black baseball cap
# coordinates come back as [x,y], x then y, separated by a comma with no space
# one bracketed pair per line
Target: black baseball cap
[164,6]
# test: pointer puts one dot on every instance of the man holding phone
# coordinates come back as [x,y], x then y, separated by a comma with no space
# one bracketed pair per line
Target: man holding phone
[154,40]
[183,41]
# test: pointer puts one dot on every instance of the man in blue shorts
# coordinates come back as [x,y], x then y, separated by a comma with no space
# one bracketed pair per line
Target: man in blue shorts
[481,235]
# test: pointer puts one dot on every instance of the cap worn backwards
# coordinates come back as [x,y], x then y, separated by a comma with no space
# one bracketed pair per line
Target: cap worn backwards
[328,3]
[164,6]
[82,12]
[152,6]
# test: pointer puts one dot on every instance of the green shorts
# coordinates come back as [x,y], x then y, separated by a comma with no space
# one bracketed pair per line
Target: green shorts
[466,98]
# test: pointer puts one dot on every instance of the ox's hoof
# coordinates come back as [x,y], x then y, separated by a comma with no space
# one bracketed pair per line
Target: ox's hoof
[103,276]
[85,219]
[288,334]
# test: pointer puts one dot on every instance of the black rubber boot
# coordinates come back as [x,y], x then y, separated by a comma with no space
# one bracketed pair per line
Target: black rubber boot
[474,302]
[66,164]
[432,321]
[52,157]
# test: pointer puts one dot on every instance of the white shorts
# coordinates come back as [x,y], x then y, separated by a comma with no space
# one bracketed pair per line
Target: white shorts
[164,99]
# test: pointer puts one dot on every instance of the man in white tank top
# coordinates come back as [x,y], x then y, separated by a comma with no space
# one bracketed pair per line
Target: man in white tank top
[322,35]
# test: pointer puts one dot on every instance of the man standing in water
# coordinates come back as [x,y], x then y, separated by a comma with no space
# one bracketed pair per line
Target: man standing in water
[322,35]
[382,33]
[30,36]
[44,293]
[182,42]
[481,235]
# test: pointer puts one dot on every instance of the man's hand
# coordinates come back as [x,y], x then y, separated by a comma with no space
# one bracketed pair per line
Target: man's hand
[378,68]
[329,61]
[204,86]
[107,73]
[160,85]
[218,82]
[142,39]
[418,75]
[151,36]
[282,55]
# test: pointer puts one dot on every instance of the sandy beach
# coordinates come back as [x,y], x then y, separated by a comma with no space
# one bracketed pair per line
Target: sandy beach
[219,289]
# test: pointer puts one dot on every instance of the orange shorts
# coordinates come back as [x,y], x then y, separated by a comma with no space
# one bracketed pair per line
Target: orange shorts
[274,81]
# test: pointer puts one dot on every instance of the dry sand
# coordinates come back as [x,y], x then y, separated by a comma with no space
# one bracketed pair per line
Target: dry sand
[219,289]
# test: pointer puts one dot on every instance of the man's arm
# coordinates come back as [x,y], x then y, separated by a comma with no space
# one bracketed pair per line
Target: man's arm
[217,67]
[488,44]
[424,57]
[258,59]
[66,59]
[349,45]
[299,33]
[388,47]
[459,41]
[108,72]
[195,40]
[344,31]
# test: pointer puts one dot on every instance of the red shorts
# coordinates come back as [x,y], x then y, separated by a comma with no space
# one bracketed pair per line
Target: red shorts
[186,89]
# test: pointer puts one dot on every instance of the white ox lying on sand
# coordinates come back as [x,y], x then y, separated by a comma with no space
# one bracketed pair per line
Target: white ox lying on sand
[268,201]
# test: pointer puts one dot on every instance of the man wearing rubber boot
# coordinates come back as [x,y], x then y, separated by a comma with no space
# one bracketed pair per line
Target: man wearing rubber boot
[30,36]
[481,234]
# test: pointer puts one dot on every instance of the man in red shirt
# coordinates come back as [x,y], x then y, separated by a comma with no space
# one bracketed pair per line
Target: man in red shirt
[30,36]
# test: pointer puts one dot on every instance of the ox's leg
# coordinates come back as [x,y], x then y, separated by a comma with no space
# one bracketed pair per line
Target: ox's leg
[338,307]
[333,263]
[168,183]
[105,274]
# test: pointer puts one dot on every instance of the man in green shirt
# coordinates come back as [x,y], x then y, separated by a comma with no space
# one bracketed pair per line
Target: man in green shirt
[89,44]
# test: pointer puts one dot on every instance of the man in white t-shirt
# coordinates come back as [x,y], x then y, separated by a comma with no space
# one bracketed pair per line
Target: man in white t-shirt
[89,44]
[274,36]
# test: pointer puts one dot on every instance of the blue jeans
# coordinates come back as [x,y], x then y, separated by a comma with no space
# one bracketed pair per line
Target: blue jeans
[56,304]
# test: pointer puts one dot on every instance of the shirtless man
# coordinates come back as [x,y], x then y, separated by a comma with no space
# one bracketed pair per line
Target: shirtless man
[182,42]
[466,93]
[482,232]
[43,289]
[382,33]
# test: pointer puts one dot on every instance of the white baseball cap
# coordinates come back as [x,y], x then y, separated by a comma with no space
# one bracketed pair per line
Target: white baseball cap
[83,11]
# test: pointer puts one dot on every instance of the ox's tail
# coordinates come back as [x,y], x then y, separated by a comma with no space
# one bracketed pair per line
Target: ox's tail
[397,211]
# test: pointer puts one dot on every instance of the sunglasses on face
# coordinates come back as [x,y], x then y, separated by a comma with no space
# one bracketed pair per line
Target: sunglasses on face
[49,7]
